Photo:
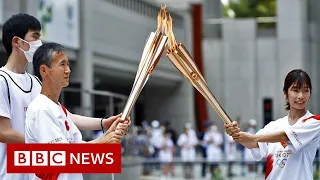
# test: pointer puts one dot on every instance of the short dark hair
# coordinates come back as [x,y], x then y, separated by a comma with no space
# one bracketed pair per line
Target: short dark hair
[18,25]
[44,55]
[296,76]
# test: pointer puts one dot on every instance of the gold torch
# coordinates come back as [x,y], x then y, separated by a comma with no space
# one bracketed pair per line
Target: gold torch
[182,60]
[151,54]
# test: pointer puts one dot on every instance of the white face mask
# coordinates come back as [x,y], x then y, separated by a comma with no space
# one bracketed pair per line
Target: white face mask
[34,45]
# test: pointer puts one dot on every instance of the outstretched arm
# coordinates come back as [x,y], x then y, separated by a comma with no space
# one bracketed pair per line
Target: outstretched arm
[251,140]
[274,137]
[111,136]
[86,123]
[90,123]
[7,134]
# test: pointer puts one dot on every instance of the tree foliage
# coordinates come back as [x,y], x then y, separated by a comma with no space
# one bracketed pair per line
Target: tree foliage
[251,8]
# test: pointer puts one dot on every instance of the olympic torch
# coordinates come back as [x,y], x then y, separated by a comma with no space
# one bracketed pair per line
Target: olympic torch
[183,61]
[150,57]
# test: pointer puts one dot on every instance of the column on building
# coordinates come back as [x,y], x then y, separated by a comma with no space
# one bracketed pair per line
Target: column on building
[84,65]
[292,42]
[213,54]
[314,51]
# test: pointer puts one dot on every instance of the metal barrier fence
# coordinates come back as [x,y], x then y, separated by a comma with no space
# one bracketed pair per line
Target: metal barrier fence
[153,168]
[177,169]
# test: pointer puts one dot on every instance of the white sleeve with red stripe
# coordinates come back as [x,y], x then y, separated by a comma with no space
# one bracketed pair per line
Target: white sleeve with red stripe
[77,136]
[262,150]
[303,133]
[46,128]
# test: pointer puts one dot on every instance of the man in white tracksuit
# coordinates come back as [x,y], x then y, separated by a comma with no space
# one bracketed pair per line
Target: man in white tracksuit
[47,121]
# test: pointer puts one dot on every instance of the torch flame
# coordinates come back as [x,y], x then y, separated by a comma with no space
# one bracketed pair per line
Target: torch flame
[171,39]
[162,18]
[165,26]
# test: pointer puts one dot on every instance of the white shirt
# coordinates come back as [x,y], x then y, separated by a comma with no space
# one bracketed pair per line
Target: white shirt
[16,109]
[214,151]
[165,153]
[230,147]
[156,133]
[293,159]
[187,142]
[46,123]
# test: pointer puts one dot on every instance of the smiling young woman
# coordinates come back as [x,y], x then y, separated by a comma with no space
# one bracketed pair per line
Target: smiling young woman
[289,143]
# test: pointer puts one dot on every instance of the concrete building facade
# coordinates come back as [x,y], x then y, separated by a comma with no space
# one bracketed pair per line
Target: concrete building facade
[242,67]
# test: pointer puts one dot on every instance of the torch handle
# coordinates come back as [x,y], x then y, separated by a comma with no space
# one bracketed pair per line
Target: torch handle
[150,57]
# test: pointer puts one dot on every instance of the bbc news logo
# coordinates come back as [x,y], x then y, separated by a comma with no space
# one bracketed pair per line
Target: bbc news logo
[64,158]
[58,158]
[39,158]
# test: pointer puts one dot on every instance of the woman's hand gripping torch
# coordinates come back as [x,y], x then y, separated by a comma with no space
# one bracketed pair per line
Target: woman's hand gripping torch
[182,60]
[150,57]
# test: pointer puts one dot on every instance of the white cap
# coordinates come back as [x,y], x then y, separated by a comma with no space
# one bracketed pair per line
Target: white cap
[252,122]
[188,125]
[155,124]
